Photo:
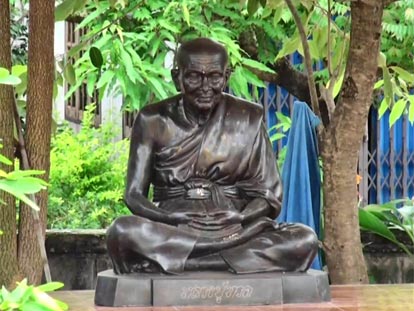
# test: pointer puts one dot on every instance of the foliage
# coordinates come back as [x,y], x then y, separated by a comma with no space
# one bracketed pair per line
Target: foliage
[7,78]
[128,42]
[31,298]
[19,31]
[87,176]
[398,33]
[283,123]
[329,42]
[18,183]
[382,218]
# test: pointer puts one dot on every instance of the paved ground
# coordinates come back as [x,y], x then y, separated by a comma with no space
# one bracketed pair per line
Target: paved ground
[348,298]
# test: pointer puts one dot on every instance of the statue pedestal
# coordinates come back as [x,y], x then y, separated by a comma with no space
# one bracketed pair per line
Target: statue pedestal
[210,288]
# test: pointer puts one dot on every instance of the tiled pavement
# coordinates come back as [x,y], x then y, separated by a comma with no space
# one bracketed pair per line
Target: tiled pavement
[344,297]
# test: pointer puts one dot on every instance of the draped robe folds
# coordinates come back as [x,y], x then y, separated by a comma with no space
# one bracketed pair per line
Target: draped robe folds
[231,156]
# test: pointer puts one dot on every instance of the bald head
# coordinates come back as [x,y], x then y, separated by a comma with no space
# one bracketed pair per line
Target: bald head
[200,46]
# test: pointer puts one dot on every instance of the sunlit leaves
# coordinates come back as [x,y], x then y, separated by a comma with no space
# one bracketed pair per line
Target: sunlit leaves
[256,65]
[379,219]
[7,78]
[20,183]
[25,298]
[68,7]
[69,74]
[290,46]
[397,110]
[405,75]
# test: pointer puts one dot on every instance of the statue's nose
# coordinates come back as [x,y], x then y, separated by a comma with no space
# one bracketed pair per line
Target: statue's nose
[204,84]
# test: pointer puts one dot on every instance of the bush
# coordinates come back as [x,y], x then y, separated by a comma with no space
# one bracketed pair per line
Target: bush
[87,176]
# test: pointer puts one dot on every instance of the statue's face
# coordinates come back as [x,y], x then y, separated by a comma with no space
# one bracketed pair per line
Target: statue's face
[203,80]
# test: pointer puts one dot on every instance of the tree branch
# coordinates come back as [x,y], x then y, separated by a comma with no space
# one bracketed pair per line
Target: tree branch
[308,60]
[286,76]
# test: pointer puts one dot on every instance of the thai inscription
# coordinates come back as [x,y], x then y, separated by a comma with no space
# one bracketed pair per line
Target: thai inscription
[216,292]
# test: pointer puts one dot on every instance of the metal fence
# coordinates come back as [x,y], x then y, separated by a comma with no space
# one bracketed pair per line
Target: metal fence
[386,158]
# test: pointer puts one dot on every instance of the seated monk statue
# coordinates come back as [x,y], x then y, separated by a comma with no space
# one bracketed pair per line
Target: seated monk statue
[216,186]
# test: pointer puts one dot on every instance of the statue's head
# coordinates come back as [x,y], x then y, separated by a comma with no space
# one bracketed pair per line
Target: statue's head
[202,72]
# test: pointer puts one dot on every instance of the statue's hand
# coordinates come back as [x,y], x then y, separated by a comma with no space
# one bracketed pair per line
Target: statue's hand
[178,218]
[220,218]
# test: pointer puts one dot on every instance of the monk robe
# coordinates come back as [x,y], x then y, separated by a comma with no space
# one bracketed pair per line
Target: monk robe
[220,165]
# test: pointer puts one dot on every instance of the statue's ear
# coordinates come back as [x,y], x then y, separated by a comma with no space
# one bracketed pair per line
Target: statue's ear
[175,74]
[227,74]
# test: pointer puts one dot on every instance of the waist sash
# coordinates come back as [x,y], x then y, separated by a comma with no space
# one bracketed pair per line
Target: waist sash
[194,192]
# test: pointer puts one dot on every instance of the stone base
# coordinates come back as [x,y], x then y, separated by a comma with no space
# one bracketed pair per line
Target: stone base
[211,288]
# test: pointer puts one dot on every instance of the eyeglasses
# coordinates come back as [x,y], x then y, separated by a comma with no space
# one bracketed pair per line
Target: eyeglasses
[197,77]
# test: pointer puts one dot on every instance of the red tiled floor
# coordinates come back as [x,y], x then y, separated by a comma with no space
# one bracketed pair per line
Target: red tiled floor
[344,298]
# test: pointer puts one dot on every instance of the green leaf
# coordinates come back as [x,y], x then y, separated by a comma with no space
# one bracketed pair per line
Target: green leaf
[397,110]
[407,212]
[252,78]
[63,10]
[95,56]
[388,90]
[4,160]
[277,15]
[276,136]
[51,286]
[405,75]
[238,83]
[274,4]
[157,87]
[371,223]
[105,78]
[186,14]
[4,185]
[18,70]
[307,4]
[382,60]
[411,109]
[127,63]
[7,78]
[378,84]
[90,83]
[257,65]
[383,107]
[33,306]
[313,49]
[252,6]
[69,74]
[289,46]
[10,80]
[338,83]
[163,23]
[91,17]
[282,118]
[77,48]
[26,185]
[79,5]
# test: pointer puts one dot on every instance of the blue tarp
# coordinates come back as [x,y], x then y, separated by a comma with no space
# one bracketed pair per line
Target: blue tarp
[300,174]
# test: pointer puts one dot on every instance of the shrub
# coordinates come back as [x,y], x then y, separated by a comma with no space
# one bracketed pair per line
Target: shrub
[87,176]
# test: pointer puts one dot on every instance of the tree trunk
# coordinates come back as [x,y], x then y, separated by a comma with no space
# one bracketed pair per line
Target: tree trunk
[8,241]
[38,126]
[340,145]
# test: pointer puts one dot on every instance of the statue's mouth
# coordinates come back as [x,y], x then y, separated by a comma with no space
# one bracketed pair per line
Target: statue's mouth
[205,99]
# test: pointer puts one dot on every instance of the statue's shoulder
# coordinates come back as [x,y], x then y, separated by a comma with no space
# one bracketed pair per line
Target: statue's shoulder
[244,107]
[156,113]
[161,108]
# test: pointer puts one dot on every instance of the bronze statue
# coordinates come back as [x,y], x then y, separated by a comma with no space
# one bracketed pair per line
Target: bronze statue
[216,186]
